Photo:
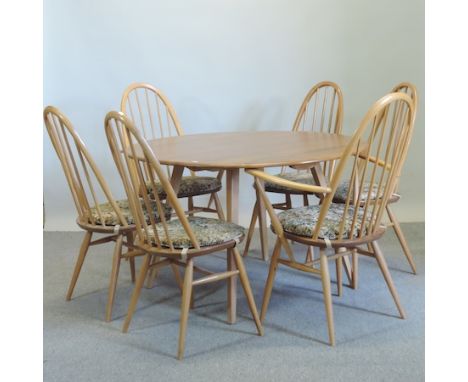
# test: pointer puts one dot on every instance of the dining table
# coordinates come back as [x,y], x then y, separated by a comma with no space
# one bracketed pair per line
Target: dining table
[233,151]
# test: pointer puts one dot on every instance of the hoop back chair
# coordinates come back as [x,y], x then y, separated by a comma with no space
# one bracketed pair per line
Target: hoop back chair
[98,211]
[179,241]
[155,117]
[373,156]
[320,111]
[342,191]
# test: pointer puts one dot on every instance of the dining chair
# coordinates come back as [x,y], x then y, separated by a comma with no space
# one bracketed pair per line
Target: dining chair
[320,111]
[343,189]
[179,241]
[155,117]
[98,211]
[374,156]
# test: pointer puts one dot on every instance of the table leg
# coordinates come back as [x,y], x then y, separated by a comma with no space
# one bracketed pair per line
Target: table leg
[175,182]
[232,212]
[176,177]
[319,178]
[262,224]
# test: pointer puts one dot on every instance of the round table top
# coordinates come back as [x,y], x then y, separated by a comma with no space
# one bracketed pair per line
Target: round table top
[248,149]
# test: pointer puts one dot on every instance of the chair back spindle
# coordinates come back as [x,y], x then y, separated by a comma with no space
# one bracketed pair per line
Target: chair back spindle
[151,112]
[87,185]
[138,166]
[373,160]
[321,111]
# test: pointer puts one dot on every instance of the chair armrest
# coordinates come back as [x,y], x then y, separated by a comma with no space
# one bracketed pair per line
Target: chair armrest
[287,183]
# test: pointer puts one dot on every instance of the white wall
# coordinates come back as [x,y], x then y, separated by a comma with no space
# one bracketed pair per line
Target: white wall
[227,65]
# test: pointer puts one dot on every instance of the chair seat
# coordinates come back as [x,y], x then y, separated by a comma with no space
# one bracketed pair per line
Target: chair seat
[110,216]
[301,221]
[208,232]
[192,186]
[342,193]
[299,177]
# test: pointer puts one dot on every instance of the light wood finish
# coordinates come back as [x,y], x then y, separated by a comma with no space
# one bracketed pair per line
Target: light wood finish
[320,111]
[185,307]
[137,165]
[327,297]
[249,149]
[155,117]
[383,136]
[410,90]
[401,238]
[89,189]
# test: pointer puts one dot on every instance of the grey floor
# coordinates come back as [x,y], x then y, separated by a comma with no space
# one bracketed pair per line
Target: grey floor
[372,343]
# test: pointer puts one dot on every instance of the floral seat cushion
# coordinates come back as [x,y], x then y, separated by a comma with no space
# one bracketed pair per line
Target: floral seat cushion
[299,177]
[110,216]
[191,186]
[342,190]
[208,232]
[302,221]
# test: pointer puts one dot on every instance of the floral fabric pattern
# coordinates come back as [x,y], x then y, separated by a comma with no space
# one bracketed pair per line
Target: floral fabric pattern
[109,216]
[191,186]
[207,231]
[302,221]
[342,190]
[299,177]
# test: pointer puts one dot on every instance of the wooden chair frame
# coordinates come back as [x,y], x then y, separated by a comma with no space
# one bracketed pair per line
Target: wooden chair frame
[156,118]
[137,165]
[87,185]
[376,157]
[410,90]
[323,104]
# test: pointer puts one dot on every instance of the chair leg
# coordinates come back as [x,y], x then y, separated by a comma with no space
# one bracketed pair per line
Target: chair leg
[219,206]
[348,270]
[190,205]
[152,274]
[339,275]
[231,289]
[401,239]
[270,279]
[131,260]
[136,291]
[247,290]
[306,200]
[355,258]
[388,278]
[261,209]
[114,277]
[310,255]
[327,297]
[79,263]
[178,278]
[250,233]
[185,307]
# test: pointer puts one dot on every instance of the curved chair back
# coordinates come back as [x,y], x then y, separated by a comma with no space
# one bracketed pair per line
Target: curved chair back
[138,167]
[374,158]
[410,90]
[151,112]
[321,111]
[87,185]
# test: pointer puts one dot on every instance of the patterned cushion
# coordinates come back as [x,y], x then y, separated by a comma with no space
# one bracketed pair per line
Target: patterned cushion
[342,192]
[299,177]
[110,217]
[191,186]
[301,221]
[207,231]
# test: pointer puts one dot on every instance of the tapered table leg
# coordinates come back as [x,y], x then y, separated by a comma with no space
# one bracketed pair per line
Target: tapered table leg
[232,212]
